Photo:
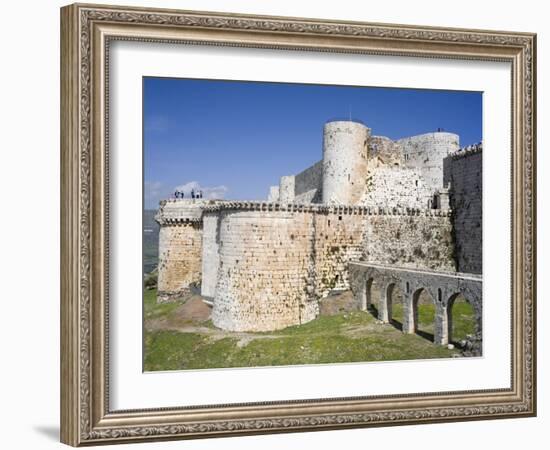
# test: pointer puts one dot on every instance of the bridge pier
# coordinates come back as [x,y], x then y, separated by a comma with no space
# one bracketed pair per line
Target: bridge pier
[441,325]
[362,295]
[409,319]
[384,307]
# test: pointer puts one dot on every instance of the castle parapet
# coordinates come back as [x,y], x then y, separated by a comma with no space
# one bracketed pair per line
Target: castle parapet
[174,211]
[324,209]
[469,150]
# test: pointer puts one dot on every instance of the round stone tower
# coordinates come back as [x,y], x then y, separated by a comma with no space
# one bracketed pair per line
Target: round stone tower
[427,152]
[287,189]
[344,161]
[264,257]
[180,247]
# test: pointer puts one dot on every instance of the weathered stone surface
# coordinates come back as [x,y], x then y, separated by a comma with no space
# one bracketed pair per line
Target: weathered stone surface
[273,194]
[210,254]
[337,304]
[179,260]
[345,146]
[414,240]
[180,247]
[464,170]
[274,266]
[398,187]
[426,152]
[287,189]
[308,187]
[177,211]
[384,151]
[266,265]
[263,282]
[337,238]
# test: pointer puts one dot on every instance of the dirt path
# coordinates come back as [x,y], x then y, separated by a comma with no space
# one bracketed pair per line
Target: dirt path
[193,316]
[193,309]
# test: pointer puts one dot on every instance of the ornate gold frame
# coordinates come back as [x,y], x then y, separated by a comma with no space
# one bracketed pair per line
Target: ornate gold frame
[86,31]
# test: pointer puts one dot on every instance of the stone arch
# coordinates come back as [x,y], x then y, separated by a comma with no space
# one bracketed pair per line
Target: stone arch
[368,294]
[421,297]
[393,293]
[476,310]
[377,298]
[365,294]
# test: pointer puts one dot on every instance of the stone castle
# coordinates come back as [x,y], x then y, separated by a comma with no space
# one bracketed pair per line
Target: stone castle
[413,204]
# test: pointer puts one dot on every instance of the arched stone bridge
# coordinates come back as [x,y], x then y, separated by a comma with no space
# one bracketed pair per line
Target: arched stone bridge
[443,288]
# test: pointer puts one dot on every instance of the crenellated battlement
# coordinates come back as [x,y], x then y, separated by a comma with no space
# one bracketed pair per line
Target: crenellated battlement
[469,150]
[324,209]
[180,211]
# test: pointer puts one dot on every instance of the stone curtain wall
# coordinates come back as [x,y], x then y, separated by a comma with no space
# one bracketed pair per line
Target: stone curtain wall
[313,196]
[275,265]
[397,186]
[409,238]
[276,262]
[308,184]
[464,171]
[180,248]
[383,150]
[286,189]
[427,152]
[338,238]
[273,195]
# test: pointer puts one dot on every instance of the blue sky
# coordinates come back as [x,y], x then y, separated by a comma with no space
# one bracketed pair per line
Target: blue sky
[235,139]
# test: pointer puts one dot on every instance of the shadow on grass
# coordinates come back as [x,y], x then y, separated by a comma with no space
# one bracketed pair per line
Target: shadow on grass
[425,335]
[397,324]
[373,310]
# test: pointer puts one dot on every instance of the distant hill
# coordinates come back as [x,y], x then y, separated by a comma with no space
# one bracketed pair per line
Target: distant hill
[150,240]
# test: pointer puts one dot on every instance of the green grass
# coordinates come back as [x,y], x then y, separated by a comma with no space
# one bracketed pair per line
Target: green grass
[426,316]
[154,310]
[462,317]
[463,320]
[349,337]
